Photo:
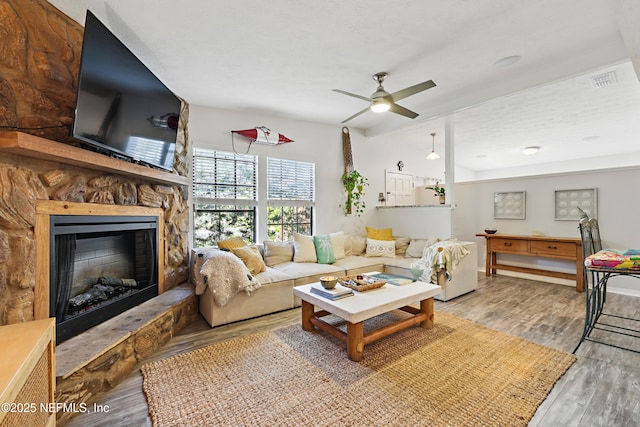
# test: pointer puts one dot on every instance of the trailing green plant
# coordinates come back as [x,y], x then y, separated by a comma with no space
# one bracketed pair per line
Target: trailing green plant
[354,184]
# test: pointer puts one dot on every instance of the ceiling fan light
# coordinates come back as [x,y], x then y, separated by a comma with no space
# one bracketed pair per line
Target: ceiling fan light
[380,106]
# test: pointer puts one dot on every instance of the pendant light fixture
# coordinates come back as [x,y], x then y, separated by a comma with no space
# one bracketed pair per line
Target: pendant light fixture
[433,155]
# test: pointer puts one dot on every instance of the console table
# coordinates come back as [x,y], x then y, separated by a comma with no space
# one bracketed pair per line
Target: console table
[538,246]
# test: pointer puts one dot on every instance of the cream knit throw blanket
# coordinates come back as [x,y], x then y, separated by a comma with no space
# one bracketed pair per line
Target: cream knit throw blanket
[224,273]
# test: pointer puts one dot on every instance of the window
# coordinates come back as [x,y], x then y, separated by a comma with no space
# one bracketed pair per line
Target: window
[291,196]
[224,194]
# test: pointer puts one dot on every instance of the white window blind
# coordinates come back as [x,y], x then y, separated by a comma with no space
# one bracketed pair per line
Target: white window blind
[290,182]
[224,178]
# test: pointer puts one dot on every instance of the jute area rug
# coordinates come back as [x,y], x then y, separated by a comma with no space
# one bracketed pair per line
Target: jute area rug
[457,374]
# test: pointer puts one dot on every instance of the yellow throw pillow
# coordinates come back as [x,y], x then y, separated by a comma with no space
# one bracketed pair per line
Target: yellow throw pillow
[379,234]
[251,257]
[235,242]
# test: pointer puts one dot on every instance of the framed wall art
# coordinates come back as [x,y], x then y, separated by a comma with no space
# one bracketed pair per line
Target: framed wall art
[569,202]
[509,205]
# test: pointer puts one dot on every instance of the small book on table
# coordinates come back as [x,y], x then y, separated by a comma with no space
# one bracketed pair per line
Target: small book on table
[333,294]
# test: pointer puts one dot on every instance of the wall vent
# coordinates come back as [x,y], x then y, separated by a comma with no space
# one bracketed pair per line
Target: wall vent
[603,80]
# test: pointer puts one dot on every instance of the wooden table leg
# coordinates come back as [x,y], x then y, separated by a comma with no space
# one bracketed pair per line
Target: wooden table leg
[494,261]
[307,314]
[355,345]
[426,307]
[579,269]
[487,270]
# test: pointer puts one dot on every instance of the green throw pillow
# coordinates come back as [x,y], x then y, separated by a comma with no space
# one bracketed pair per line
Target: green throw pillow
[324,249]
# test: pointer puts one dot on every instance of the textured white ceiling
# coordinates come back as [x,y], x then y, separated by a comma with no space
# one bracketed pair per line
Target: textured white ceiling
[284,57]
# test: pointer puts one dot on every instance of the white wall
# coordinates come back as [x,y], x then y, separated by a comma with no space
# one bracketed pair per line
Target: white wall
[318,143]
[419,222]
[618,209]
[618,205]
[373,155]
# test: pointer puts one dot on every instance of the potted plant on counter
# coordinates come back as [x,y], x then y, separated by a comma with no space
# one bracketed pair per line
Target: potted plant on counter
[440,192]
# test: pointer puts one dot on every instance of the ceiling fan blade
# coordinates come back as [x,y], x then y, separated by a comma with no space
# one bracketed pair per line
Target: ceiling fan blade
[356,115]
[395,108]
[412,90]
[364,98]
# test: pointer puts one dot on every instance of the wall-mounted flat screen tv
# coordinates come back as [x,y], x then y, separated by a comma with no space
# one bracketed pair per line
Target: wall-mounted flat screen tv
[122,108]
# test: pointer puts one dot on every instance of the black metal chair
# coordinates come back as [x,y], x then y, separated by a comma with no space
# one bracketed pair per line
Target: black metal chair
[595,281]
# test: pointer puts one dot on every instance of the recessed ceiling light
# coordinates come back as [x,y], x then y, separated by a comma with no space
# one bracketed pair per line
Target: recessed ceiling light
[533,149]
[507,61]
[591,138]
[481,156]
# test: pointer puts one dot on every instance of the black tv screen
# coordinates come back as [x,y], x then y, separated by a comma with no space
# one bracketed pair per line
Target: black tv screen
[122,108]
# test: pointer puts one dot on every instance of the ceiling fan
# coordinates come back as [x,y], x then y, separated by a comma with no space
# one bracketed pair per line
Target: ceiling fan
[381,100]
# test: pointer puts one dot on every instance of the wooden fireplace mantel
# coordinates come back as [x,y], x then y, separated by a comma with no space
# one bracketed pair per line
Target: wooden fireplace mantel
[24,144]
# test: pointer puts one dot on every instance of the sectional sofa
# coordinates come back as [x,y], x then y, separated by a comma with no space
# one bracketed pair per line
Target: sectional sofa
[286,266]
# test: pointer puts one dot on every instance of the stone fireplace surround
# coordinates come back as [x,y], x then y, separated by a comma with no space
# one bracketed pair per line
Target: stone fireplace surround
[38,84]
[40,176]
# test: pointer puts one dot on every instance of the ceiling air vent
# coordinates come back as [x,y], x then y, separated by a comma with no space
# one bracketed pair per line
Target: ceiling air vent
[604,80]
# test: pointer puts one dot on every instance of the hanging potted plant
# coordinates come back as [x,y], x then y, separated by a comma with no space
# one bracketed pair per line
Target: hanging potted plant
[354,184]
[440,192]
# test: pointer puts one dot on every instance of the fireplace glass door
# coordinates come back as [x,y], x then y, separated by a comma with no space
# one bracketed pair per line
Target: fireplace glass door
[100,266]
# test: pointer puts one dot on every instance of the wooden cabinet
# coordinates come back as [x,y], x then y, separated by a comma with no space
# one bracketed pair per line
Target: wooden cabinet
[544,247]
[509,245]
[27,373]
[553,249]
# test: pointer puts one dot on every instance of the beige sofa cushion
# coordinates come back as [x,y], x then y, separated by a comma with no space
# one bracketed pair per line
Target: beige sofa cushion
[304,250]
[353,262]
[271,276]
[358,245]
[337,241]
[416,246]
[402,243]
[307,269]
[277,252]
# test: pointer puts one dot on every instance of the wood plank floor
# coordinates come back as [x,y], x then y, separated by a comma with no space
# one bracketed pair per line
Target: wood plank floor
[601,389]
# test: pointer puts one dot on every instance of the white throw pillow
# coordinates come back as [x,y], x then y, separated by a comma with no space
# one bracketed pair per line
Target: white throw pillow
[337,241]
[416,246]
[377,248]
[358,245]
[304,250]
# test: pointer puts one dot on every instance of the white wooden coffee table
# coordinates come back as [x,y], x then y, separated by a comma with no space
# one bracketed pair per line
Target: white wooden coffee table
[365,305]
